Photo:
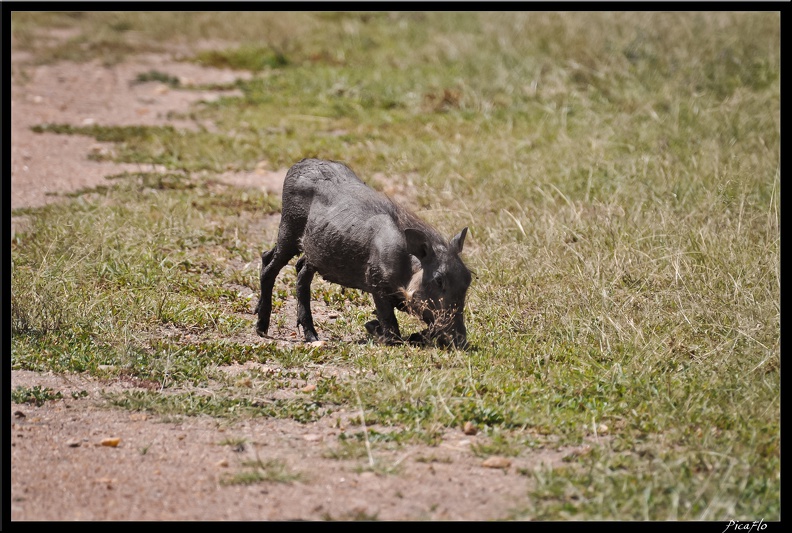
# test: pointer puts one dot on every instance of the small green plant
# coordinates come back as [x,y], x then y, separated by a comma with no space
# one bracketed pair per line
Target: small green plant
[347,449]
[432,458]
[35,395]
[253,58]
[381,468]
[155,75]
[258,471]
[238,444]
[499,444]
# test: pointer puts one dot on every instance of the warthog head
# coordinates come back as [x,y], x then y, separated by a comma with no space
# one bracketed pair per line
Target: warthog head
[436,292]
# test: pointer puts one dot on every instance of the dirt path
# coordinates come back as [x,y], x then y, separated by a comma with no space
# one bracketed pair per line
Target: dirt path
[166,470]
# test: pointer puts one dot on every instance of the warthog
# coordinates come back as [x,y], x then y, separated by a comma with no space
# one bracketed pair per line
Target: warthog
[357,237]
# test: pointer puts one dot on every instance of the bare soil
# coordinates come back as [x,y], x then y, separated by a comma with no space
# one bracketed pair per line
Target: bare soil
[175,469]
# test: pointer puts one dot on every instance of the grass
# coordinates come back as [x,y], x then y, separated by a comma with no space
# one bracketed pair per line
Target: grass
[35,395]
[258,471]
[155,75]
[238,444]
[253,58]
[620,176]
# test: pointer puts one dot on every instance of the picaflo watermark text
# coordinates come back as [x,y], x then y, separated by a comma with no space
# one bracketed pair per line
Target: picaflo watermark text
[736,525]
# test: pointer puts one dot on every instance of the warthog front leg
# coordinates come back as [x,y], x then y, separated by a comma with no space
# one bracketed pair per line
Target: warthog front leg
[305,273]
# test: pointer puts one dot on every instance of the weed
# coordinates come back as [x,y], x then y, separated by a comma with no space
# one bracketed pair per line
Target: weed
[258,471]
[238,444]
[498,444]
[433,459]
[34,395]
[155,75]
[193,404]
[347,449]
[252,58]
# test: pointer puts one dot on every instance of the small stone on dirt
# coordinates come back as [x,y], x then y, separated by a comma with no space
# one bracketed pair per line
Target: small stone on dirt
[469,428]
[309,388]
[19,414]
[312,437]
[112,442]
[73,443]
[496,462]
[318,344]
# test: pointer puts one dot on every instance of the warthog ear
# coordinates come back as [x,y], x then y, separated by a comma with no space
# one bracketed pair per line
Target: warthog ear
[417,243]
[459,240]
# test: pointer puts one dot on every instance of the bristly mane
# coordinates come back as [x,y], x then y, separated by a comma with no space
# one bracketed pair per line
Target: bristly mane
[406,219]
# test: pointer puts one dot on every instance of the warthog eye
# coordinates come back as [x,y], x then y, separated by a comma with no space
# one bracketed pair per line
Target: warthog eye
[438,280]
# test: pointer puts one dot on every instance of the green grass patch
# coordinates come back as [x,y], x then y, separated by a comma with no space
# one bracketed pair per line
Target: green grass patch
[237,443]
[259,471]
[89,278]
[220,406]
[35,395]
[183,150]
[253,58]
[700,484]
[156,75]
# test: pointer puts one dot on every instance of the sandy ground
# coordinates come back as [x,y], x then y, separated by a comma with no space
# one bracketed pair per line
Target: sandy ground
[175,470]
